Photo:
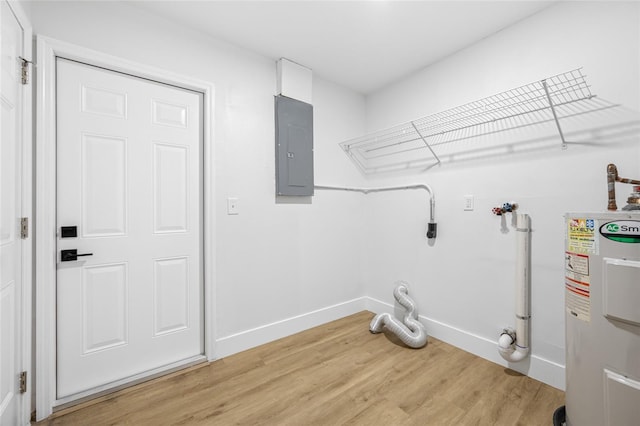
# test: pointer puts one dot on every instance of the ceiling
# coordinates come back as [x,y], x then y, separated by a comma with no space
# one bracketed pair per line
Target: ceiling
[363,45]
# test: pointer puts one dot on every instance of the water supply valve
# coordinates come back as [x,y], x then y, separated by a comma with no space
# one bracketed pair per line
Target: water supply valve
[506,208]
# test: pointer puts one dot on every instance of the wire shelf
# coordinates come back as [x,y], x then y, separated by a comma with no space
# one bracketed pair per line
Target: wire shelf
[422,142]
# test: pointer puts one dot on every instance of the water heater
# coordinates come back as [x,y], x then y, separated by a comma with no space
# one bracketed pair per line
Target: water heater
[602,305]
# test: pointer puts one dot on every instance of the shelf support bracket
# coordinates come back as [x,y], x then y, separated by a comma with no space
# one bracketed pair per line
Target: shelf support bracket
[425,142]
[555,116]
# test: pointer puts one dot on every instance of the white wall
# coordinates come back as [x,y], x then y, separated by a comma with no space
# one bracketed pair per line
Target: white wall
[464,283]
[275,261]
[314,262]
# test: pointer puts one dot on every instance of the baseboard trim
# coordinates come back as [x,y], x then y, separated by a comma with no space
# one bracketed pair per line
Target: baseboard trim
[535,367]
[248,339]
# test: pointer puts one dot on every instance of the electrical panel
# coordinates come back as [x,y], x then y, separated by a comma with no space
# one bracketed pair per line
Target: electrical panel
[294,147]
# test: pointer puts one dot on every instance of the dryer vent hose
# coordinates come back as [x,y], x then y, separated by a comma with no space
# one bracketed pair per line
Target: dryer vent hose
[410,330]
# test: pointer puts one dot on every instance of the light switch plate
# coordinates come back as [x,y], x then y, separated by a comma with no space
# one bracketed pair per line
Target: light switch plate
[468,202]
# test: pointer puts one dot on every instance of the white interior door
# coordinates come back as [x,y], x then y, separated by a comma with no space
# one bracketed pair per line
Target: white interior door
[10,213]
[129,187]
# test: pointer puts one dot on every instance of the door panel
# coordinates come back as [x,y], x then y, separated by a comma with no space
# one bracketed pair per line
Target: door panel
[104,307]
[104,184]
[130,178]
[10,211]
[171,295]
[170,192]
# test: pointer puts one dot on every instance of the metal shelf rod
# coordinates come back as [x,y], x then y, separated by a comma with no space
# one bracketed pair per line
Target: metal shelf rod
[555,116]
[425,142]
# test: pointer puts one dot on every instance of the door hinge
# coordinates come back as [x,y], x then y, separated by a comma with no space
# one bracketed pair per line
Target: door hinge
[23,382]
[25,70]
[24,228]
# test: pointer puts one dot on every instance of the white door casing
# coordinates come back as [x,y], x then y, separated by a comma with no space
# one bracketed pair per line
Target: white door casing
[129,181]
[15,258]
[46,244]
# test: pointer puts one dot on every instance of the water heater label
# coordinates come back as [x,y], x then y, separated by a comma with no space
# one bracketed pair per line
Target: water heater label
[576,264]
[622,231]
[581,236]
[577,285]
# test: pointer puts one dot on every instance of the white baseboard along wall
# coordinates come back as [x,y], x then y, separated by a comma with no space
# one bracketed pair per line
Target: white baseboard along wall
[537,368]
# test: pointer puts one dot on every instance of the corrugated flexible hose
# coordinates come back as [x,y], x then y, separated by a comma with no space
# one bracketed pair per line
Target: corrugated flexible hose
[410,330]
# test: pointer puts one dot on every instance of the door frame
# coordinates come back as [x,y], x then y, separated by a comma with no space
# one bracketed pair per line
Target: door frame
[48,50]
[26,208]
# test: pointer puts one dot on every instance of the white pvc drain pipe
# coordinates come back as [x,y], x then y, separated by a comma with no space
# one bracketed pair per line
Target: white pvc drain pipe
[513,345]
[410,330]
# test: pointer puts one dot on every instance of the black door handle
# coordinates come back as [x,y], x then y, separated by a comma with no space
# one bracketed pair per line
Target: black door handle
[71,255]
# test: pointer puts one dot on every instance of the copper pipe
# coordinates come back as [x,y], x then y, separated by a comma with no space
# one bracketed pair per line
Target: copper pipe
[612,175]
[612,178]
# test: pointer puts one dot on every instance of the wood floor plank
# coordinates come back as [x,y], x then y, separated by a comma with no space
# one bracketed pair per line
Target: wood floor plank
[545,400]
[379,412]
[334,374]
[436,410]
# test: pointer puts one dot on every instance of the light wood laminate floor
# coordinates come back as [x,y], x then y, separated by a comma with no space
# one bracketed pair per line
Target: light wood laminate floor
[334,374]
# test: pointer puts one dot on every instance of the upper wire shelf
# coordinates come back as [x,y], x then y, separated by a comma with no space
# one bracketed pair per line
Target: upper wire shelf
[421,142]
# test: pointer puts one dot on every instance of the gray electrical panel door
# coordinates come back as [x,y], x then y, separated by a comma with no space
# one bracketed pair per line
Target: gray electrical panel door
[294,147]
